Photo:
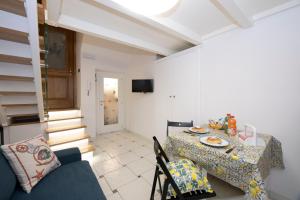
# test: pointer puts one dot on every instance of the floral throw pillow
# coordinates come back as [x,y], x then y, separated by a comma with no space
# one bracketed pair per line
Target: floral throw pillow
[188,177]
[31,160]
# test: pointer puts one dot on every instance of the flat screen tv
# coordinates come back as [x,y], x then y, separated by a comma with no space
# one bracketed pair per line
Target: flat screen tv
[142,85]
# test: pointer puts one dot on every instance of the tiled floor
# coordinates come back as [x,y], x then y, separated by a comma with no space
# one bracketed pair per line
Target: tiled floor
[124,164]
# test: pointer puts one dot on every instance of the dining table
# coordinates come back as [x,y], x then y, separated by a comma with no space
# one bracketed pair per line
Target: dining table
[241,165]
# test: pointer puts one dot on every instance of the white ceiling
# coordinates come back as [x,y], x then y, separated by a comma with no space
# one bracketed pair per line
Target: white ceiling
[186,25]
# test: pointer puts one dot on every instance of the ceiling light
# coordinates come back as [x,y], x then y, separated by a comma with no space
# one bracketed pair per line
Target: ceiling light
[148,7]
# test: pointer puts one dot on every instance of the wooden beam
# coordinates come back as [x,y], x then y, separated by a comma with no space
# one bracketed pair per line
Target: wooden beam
[16,78]
[13,6]
[13,35]
[231,10]
[98,31]
[15,59]
[165,25]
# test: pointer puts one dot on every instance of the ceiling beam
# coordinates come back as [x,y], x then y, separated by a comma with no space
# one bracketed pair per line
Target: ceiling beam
[165,25]
[231,10]
[85,27]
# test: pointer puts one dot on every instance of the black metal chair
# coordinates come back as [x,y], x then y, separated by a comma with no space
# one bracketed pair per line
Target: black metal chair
[161,169]
[179,124]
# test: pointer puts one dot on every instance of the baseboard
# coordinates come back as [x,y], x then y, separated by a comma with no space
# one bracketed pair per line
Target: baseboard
[276,196]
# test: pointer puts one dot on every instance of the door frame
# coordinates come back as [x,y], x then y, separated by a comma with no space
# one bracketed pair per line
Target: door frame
[101,128]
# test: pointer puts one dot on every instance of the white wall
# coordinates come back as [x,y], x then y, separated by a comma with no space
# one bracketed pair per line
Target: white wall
[252,73]
[94,54]
[147,114]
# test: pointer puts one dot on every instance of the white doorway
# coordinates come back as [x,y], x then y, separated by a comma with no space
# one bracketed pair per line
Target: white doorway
[109,101]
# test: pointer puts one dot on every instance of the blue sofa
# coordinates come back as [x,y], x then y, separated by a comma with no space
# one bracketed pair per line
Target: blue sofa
[74,180]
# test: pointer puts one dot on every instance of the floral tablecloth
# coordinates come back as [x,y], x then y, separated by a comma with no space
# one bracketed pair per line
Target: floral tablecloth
[245,167]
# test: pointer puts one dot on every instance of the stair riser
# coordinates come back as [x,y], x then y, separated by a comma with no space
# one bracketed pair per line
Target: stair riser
[21,86]
[12,21]
[62,123]
[18,99]
[21,110]
[61,134]
[89,156]
[15,49]
[64,114]
[79,143]
[16,69]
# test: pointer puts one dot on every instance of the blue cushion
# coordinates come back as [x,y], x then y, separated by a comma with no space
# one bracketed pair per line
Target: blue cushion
[8,179]
[74,181]
[67,156]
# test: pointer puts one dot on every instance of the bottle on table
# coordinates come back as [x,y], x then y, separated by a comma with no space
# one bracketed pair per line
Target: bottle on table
[225,126]
[232,131]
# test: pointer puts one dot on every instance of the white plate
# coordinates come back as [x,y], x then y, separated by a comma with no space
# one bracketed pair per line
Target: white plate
[224,143]
[191,130]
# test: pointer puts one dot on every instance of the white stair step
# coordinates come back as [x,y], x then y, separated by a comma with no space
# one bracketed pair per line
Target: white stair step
[88,156]
[14,94]
[64,114]
[16,69]
[65,128]
[62,119]
[16,86]
[15,49]
[21,99]
[70,142]
[14,22]
[15,78]
[21,110]
[64,123]
[60,134]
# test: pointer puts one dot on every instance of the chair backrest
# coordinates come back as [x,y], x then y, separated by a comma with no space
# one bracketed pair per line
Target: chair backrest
[158,150]
[162,159]
[178,124]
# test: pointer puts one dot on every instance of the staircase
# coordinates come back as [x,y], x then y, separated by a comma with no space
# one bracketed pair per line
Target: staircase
[66,129]
[20,82]
[21,95]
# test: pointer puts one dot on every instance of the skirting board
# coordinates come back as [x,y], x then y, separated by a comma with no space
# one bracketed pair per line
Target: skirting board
[275,196]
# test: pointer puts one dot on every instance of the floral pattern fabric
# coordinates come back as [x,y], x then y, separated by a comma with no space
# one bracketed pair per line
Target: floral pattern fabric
[245,167]
[188,177]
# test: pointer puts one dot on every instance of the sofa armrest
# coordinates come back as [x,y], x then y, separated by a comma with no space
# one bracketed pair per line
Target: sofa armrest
[70,155]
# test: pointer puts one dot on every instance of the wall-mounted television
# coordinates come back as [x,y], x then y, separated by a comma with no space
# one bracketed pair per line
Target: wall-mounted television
[142,85]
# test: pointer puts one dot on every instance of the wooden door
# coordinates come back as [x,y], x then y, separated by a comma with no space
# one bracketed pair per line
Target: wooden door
[61,68]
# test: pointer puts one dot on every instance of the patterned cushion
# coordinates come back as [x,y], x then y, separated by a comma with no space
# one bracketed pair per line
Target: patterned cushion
[31,160]
[187,177]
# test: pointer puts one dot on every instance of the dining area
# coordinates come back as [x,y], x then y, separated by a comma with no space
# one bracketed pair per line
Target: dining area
[240,158]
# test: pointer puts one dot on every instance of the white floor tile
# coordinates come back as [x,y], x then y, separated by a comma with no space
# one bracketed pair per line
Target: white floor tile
[151,157]
[143,151]
[120,177]
[127,157]
[115,196]
[136,190]
[112,152]
[149,175]
[107,166]
[140,166]
[105,187]
[116,150]
[100,157]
